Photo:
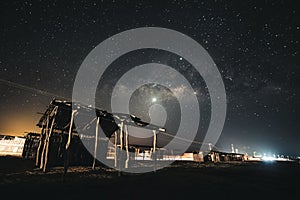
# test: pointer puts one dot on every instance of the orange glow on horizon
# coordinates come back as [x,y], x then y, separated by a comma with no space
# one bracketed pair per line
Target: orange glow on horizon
[17,125]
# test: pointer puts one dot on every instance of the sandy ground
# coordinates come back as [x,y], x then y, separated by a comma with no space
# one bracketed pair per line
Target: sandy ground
[181,180]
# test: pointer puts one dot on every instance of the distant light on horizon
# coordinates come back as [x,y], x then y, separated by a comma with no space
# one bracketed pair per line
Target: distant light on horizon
[268,158]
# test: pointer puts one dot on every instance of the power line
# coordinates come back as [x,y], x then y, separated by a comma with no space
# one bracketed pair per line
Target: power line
[32,89]
[46,93]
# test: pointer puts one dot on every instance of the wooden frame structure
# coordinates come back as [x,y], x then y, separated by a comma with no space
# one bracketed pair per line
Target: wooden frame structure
[60,143]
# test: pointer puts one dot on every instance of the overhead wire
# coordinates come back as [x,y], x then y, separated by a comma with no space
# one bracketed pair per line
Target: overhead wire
[50,94]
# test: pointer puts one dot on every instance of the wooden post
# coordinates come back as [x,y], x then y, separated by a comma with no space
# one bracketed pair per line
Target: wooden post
[154,140]
[38,151]
[66,157]
[44,143]
[96,143]
[137,152]
[116,141]
[154,148]
[121,135]
[126,146]
[48,140]
[121,149]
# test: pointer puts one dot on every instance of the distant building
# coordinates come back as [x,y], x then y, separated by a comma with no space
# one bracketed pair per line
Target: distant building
[31,145]
[11,145]
[218,156]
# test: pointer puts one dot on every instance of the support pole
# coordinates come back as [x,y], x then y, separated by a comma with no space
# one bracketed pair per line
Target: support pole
[116,150]
[121,135]
[137,152]
[96,143]
[67,152]
[44,143]
[38,151]
[154,148]
[48,139]
[121,148]
[126,146]
[154,140]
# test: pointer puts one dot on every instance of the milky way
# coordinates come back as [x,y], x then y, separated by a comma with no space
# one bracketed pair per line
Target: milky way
[255,46]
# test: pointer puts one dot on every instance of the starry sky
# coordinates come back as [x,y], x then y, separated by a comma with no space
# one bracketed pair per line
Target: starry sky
[255,45]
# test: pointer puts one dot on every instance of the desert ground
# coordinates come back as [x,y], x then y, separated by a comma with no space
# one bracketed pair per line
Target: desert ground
[180,180]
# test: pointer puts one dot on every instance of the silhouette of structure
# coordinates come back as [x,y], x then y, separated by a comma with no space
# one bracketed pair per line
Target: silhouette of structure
[61,144]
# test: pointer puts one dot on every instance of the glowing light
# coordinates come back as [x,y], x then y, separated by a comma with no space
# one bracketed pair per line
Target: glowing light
[154,99]
[268,158]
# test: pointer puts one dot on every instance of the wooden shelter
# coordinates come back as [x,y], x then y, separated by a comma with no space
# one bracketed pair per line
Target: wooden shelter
[64,142]
[57,131]
[61,144]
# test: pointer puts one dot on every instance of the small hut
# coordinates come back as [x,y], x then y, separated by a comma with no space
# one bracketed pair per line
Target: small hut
[61,144]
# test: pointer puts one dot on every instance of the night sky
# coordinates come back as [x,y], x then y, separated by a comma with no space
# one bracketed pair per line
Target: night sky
[255,46]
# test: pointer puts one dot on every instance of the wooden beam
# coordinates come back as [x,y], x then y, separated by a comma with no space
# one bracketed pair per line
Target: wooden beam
[67,150]
[44,143]
[48,139]
[126,146]
[121,149]
[96,143]
[38,151]
[154,148]
[116,150]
